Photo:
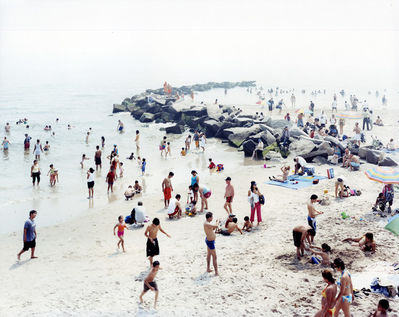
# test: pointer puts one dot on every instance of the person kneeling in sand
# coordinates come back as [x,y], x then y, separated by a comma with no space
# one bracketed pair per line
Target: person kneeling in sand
[322,257]
[366,242]
[129,193]
[247,225]
[137,188]
[282,178]
[150,284]
[232,226]
[300,233]
[174,208]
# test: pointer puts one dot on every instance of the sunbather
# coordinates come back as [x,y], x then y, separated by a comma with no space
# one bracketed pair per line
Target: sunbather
[282,178]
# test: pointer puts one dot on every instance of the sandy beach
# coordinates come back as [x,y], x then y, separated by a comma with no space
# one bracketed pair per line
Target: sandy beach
[81,272]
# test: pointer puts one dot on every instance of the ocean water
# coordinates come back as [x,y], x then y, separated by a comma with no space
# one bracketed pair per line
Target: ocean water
[89,106]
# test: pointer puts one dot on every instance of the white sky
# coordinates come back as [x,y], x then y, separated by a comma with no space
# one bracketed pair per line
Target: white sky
[284,42]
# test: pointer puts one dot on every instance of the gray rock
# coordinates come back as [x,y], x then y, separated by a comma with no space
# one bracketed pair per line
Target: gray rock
[238,135]
[296,133]
[175,129]
[334,141]
[327,147]
[363,152]
[211,127]
[310,156]
[240,122]
[278,124]
[302,147]
[155,108]
[137,113]
[372,157]
[195,112]
[320,160]
[147,117]
[387,161]
[315,141]
[266,137]
[249,147]
[221,132]
[118,108]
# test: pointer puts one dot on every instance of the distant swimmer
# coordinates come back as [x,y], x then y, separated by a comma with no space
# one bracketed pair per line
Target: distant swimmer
[7,127]
[102,142]
[97,157]
[87,137]
[46,147]
[37,150]
[120,126]
[5,144]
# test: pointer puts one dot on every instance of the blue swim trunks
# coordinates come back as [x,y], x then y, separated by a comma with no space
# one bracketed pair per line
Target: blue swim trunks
[210,244]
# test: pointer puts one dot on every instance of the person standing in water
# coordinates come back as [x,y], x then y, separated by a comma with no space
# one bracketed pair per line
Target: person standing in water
[151,233]
[137,140]
[229,195]
[37,150]
[5,144]
[167,188]
[29,236]
[120,126]
[90,182]
[102,142]
[210,239]
[27,141]
[35,172]
[97,157]
[7,128]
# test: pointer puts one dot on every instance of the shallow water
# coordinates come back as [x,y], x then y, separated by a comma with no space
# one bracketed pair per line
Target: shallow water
[85,108]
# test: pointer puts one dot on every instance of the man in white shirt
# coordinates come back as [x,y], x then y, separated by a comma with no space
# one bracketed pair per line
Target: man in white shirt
[138,214]
[300,164]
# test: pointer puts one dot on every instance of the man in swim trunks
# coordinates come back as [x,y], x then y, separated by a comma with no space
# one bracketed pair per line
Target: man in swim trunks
[97,157]
[209,229]
[230,228]
[150,284]
[196,138]
[366,242]
[152,241]
[167,188]
[300,233]
[312,213]
[120,126]
[229,195]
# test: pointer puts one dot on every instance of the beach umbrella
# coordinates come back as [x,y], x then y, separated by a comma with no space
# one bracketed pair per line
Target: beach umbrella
[385,175]
[393,225]
[349,115]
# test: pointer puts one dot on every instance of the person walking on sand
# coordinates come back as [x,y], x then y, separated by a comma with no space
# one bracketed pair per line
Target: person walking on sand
[35,172]
[253,197]
[167,188]
[37,150]
[137,140]
[121,231]
[97,157]
[209,230]
[29,236]
[111,176]
[328,295]
[345,296]
[151,233]
[229,195]
[202,141]
[90,182]
[312,213]
[150,284]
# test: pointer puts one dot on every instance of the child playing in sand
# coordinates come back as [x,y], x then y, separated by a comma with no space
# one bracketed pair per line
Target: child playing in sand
[183,152]
[121,230]
[143,165]
[211,164]
[84,158]
[137,188]
[121,169]
[383,306]
[247,225]
[322,257]
[150,284]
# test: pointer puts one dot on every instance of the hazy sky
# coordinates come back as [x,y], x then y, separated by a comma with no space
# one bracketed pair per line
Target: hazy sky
[296,43]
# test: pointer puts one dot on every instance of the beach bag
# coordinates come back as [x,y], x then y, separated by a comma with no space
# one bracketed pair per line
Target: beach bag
[309,171]
[330,173]
[262,199]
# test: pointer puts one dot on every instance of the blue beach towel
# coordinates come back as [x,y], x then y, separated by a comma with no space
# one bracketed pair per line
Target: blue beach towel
[290,185]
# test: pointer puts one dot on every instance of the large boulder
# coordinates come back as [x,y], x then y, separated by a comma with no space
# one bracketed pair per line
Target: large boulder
[137,113]
[238,135]
[175,129]
[147,117]
[196,111]
[221,132]
[302,147]
[240,122]
[387,161]
[154,108]
[335,141]
[363,151]
[249,147]
[278,124]
[327,147]
[314,141]
[319,153]
[118,108]
[211,127]
[373,157]
[266,137]
[296,133]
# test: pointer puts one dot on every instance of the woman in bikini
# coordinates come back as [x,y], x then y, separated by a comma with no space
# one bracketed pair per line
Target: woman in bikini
[345,296]
[328,295]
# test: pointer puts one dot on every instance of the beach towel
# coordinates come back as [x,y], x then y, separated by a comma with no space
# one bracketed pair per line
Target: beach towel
[390,151]
[290,185]
[305,178]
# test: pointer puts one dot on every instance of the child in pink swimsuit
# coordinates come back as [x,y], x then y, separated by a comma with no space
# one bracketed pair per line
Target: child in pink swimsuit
[121,230]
